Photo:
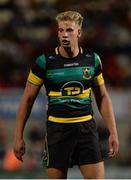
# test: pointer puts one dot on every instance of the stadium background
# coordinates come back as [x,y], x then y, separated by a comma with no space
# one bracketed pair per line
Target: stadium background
[27,28]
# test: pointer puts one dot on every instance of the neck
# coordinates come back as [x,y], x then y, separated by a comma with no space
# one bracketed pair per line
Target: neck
[69,52]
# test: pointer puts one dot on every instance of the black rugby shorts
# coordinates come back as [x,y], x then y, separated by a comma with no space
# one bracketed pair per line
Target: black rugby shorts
[71,144]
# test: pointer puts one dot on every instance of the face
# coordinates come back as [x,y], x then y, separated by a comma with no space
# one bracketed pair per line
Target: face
[68,33]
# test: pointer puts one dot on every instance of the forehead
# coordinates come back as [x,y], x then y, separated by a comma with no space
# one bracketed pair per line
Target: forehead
[67,24]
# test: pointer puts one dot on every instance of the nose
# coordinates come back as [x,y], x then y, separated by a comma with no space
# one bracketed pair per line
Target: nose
[65,34]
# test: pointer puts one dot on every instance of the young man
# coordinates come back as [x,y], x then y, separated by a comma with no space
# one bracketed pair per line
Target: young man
[69,74]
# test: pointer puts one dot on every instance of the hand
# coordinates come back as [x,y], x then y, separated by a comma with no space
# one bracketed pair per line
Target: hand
[113,145]
[19,149]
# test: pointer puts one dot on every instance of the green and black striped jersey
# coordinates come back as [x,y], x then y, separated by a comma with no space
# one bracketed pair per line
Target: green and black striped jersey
[68,83]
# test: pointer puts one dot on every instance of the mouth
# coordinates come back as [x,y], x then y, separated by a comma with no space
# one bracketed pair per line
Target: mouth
[65,42]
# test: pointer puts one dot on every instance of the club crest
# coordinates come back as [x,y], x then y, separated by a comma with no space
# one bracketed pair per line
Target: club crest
[86,73]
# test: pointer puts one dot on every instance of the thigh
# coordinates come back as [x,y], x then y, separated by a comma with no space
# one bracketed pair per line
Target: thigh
[61,140]
[89,147]
[93,171]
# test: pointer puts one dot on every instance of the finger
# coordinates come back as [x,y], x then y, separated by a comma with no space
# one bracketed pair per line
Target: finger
[114,150]
[19,156]
[111,149]
[116,147]
[111,152]
[22,152]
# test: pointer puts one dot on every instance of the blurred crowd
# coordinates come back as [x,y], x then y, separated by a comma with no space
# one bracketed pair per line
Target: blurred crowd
[28,28]
[32,160]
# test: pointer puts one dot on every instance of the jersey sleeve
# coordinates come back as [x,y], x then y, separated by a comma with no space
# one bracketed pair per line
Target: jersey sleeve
[38,71]
[98,77]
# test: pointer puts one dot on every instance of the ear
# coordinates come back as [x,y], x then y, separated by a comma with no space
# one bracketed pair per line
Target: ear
[79,32]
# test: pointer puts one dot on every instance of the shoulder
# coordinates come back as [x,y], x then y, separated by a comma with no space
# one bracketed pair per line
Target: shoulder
[90,55]
[93,55]
[86,51]
[40,60]
[97,60]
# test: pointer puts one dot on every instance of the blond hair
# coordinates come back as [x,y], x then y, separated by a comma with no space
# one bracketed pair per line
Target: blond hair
[70,16]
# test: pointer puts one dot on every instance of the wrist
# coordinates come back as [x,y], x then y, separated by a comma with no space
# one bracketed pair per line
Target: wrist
[113,130]
[18,136]
[113,133]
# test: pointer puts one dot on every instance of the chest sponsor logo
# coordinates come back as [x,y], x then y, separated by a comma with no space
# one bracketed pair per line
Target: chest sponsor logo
[72,88]
[86,73]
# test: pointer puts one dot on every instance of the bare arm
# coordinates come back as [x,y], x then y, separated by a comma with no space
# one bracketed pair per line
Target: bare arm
[105,107]
[30,93]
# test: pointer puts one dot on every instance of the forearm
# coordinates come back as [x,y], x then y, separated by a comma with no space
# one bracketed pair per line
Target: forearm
[105,107]
[24,110]
[21,118]
[107,113]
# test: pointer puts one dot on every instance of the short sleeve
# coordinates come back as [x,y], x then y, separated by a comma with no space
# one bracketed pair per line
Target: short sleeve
[98,77]
[38,71]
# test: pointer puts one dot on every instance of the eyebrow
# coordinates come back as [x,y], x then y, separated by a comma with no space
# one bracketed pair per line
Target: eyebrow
[68,29]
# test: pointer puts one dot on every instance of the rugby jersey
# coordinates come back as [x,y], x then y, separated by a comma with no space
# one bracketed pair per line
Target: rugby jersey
[68,83]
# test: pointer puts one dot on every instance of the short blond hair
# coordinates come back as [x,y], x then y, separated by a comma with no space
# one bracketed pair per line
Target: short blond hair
[71,16]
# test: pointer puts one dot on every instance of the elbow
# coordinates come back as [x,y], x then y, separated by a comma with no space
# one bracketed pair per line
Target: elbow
[27,101]
[30,101]
[105,102]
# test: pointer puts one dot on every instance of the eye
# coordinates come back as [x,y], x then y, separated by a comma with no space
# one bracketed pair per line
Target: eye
[60,29]
[70,30]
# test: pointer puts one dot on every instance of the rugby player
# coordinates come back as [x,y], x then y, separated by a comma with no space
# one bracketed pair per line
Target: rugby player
[70,74]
